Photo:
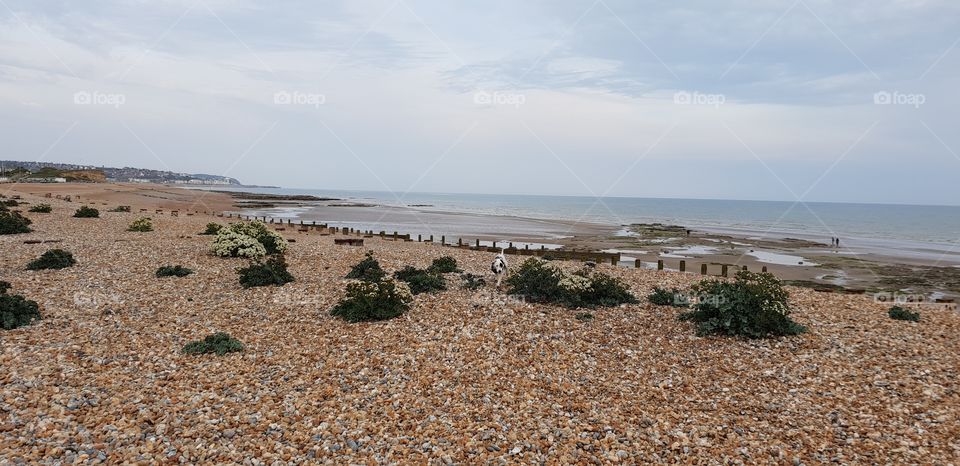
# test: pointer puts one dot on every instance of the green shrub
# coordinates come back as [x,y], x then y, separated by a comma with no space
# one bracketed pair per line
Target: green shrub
[545,282]
[173,271]
[755,305]
[444,264]
[12,223]
[86,212]
[472,281]
[42,209]
[272,272]
[53,259]
[368,270]
[4,287]
[421,281]
[16,311]
[899,313]
[373,300]
[536,280]
[121,208]
[407,273]
[219,343]
[672,297]
[606,291]
[212,229]
[10,203]
[143,225]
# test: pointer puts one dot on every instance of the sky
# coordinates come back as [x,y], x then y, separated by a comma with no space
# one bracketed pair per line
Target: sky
[808,100]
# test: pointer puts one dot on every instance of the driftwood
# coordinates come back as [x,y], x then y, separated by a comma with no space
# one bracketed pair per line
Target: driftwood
[348,241]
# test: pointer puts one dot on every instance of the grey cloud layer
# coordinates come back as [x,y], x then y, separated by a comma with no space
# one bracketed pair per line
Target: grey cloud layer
[598,83]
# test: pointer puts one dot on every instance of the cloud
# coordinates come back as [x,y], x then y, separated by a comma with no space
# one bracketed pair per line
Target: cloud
[599,85]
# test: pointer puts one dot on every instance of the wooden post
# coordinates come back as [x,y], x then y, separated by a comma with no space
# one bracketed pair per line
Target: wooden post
[511,245]
[614,260]
[660,264]
[478,242]
[764,269]
[723,271]
[419,238]
[431,238]
[683,266]
[703,269]
[394,236]
[494,245]
[459,242]
[443,240]
[745,268]
[637,263]
[526,247]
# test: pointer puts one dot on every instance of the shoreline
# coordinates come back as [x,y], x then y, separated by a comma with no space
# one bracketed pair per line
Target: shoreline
[867,264]
[870,268]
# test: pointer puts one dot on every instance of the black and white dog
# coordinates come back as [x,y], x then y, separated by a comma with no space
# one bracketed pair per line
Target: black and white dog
[499,266]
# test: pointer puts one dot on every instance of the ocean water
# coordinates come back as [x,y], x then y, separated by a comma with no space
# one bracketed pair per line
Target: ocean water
[926,227]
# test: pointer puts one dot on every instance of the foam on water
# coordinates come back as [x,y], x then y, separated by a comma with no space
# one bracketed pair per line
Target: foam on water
[681,253]
[777,258]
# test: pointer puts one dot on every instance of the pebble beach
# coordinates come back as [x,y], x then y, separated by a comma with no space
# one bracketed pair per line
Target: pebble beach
[464,377]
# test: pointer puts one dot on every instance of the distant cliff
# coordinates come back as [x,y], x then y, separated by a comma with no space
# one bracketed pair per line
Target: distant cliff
[71,172]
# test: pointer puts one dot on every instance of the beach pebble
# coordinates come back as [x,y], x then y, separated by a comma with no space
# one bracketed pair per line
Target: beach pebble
[464,377]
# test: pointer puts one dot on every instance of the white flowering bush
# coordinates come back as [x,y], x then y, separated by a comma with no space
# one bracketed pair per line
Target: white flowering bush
[248,239]
[229,243]
[373,300]
[272,242]
[574,283]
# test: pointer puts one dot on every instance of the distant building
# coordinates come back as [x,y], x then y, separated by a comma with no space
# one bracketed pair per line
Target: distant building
[44,180]
[204,182]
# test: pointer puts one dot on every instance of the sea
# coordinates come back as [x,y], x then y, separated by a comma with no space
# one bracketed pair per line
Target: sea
[874,226]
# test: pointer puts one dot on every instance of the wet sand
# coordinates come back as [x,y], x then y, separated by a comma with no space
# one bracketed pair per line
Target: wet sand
[857,265]
[806,261]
